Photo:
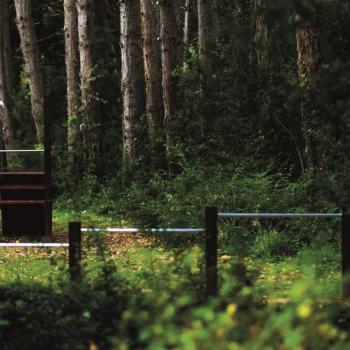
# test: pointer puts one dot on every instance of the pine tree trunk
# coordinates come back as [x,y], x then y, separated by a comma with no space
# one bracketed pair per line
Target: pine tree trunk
[307,36]
[8,52]
[186,27]
[72,71]
[152,72]
[33,66]
[207,34]
[207,39]
[171,52]
[261,35]
[264,78]
[88,117]
[132,80]
[5,79]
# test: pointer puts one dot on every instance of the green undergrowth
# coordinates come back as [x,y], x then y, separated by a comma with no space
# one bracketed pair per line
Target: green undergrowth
[153,298]
[180,200]
[279,280]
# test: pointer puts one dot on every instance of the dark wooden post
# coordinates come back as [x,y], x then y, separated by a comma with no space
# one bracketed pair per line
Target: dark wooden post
[345,251]
[211,253]
[47,147]
[75,250]
[47,167]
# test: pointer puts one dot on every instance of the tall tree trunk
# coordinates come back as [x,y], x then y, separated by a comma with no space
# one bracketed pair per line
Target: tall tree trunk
[207,34]
[8,52]
[132,79]
[72,71]
[262,42]
[307,36]
[186,32]
[33,66]
[152,74]
[261,35]
[207,39]
[171,52]
[5,78]
[88,117]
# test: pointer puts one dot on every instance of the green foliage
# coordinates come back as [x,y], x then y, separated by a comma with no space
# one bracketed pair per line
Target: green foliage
[180,202]
[237,143]
[153,299]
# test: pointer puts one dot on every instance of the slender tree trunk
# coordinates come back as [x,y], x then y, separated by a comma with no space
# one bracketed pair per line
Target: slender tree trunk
[152,73]
[88,117]
[307,36]
[262,41]
[132,80]
[207,34]
[207,40]
[8,55]
[72,71]
[261,35]
[171,52]
[33,66]
[5,78]
[186,32]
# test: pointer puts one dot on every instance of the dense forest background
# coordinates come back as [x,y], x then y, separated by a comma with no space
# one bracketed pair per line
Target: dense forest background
[146,96]
[158,109]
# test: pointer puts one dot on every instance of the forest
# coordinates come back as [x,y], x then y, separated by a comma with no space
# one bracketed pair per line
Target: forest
[156,109]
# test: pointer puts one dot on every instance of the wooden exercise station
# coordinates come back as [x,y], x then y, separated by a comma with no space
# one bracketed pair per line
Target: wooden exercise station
[25,196]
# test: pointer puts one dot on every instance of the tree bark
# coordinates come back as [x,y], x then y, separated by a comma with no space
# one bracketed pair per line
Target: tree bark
[207,39]
[207,34]
[307,50]
[33,66]
[171,52]
[307,37]
[186,30]
[132,77]
[8,54]
[7,131]
[261,34]
[152,72]
[72,72]
[88,117]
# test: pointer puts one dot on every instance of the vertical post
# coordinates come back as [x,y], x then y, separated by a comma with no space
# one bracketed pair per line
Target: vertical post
[47,168]
[211,253]
[48,219]
[345,251]
[47,147]
[75,250]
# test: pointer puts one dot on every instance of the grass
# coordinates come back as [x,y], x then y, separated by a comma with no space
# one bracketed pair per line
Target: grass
[155,286]
[145,262]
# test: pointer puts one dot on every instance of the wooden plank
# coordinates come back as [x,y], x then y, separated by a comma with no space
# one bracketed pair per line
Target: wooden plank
[20,202]
[22,187]
[22,173]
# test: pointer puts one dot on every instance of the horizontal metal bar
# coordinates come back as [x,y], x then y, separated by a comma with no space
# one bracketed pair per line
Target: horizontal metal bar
[20,150]
[35,245]
[279,215]
[142,230]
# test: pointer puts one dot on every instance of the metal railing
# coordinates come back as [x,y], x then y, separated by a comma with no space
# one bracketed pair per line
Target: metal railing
[212,216]
[279,215]
[211,242]
[34,245]
[141,230]
[20,150]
